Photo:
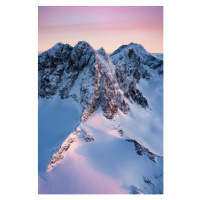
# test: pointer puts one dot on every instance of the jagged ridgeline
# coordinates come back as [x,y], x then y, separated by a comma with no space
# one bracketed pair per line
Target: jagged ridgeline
[93,78]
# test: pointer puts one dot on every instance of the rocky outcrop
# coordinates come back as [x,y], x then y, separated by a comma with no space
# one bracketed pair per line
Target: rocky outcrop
[58,156]
[51,66]
[141,150]
[80,133]
[106,90]
[132,64]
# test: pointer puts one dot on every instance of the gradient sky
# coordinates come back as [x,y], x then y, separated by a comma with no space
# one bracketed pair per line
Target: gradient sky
[107,27]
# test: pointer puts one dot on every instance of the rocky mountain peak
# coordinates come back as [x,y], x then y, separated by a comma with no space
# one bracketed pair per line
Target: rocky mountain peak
[134,63]
[119,50]
[103,53]
[93,78]
[82,44]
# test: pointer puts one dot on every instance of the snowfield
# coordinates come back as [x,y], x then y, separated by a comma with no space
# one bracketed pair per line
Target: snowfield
[109,164]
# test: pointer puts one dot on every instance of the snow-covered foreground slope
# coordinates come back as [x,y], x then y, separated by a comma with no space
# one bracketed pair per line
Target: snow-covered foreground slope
[111,163]
[57,118]
[100,121]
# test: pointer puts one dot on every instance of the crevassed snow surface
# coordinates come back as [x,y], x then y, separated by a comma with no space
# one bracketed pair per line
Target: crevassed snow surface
[57,118]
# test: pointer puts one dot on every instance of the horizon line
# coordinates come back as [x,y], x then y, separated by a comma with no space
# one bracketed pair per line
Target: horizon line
[99,48]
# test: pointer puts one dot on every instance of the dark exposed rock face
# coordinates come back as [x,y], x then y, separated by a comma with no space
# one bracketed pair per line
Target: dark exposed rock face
[51,65]
[132,63]
[58,156]
[138,98]
[84,74]
[106,89]
[119,49]
[160,72]
[60,66]
[140,150]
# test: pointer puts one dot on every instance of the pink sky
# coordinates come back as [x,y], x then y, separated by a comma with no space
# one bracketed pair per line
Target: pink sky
[107,27]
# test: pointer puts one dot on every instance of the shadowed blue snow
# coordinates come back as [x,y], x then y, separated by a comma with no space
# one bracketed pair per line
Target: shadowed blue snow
[153,91]
[117,158]
[57,118]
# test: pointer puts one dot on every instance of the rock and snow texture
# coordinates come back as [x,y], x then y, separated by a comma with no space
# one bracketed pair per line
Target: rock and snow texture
[86,75]
[100,120]
[134,63]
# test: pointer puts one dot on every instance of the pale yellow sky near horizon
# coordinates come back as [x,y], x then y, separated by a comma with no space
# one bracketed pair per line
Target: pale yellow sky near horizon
[107,27]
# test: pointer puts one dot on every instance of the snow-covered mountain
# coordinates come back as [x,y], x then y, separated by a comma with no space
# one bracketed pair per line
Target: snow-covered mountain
[100,120]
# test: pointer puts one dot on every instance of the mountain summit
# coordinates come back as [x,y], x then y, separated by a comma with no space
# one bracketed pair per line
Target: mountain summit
[93,78]
[120,102]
